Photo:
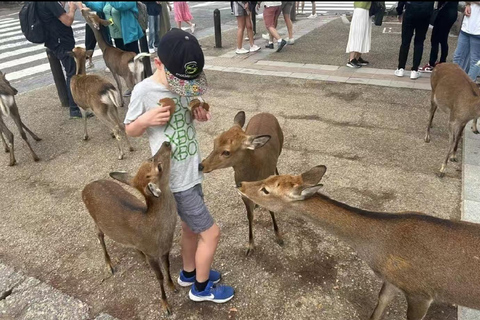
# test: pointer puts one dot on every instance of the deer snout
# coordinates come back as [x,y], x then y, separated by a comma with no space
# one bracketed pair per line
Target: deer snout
[200,167]
[239,184]
[167,144]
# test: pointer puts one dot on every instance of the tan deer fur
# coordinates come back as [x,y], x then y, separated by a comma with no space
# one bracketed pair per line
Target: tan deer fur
[92,92]
[8,107]
[426,258]
[456,94]
[148,227]
[122,64]
[252,153]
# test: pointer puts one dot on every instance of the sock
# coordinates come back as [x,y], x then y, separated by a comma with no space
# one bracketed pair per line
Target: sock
[279,41]
[201,285]
[190,273]
[270,42]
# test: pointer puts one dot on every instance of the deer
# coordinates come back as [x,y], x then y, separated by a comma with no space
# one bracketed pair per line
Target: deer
[148,227]
[122,64]
[93,92]
[456,94]
[425,257]
[252,153]
[8,107]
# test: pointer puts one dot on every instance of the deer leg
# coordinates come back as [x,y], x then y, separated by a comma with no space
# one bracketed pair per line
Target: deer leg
[453,129]
[9,136]
[34,136]
[101,239]
[474,126]
[7,150]
[249,205]
[18,123]
[119,86]
[417,307]
[433,108]
[166,264]
[453,158]
[387,293]
[85,132]
[158,273]
[275,228]
[113,113]
[122,127]
[110,122]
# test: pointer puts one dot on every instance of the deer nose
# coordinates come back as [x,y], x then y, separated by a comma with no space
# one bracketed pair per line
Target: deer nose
[167,144]
[239,184]
[200,167]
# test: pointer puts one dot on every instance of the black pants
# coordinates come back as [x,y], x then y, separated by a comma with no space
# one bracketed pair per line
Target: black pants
[441,29]
[132,46]
[69,65]
[418,24]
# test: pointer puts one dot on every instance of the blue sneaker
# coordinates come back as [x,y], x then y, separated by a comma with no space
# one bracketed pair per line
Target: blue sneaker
[214,293]
[183,281]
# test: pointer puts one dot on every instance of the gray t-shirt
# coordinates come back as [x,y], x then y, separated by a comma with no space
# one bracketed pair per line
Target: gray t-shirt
[179,131]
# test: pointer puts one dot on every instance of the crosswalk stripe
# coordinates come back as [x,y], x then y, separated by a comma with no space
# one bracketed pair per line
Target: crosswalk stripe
[9,24]
[34,48]
[37,69]
[22,37]
[75,25]
[10,29]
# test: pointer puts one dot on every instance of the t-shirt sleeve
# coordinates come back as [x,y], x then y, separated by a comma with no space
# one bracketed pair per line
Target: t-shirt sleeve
[55,8]
[136,107]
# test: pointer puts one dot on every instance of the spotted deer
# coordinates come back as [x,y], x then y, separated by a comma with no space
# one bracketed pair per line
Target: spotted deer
[252,153]
[146,226]
[8,107]
[456,94]
[424,257]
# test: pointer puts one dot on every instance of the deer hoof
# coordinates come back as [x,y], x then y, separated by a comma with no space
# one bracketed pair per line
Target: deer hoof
[36,159]
[280,242]
[168,312]
[120,157]
[427,139]
[475,131]
[112,135]
[453,159]
[131,149]
[7,150]
[85,137]
[12,163]
[441,174]
[249,251]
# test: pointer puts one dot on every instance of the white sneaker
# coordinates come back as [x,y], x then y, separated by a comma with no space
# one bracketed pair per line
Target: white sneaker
[399,72]
[290,41]
[312,16]
[241,51]
[192,27]
[266,36]
[254,48]
[107,70]
[414,75]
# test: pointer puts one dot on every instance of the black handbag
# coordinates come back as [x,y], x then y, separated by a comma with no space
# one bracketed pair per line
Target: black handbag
[434,15]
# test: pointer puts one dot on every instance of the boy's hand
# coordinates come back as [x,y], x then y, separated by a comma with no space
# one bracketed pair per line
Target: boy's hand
[158,116]
[201,114]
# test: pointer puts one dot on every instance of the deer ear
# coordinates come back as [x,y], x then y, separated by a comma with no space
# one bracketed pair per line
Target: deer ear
[240,119]
[314,175]
[255,142]
[122,177]
[310,191]
[154,189]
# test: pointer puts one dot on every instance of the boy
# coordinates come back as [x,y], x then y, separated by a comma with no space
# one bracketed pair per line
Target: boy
[179,76]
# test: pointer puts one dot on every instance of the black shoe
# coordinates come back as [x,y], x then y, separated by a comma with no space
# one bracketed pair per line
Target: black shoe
[269,46]
[281,45]
[353,64]
[362,62]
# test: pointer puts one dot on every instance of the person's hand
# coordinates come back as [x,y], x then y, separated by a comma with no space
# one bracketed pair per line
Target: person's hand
[201,114]
[72,6]
[158,116]
[468,10]
[400,18]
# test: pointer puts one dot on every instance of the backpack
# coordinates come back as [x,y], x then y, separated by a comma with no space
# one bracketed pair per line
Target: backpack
[32,26]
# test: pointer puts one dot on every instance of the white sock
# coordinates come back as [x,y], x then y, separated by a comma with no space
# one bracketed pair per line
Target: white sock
[279,41]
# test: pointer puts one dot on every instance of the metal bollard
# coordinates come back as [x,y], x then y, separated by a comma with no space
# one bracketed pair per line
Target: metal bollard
[218,28]
[147,67]
[58,77]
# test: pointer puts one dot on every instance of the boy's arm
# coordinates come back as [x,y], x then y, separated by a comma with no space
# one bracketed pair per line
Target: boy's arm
[158,116]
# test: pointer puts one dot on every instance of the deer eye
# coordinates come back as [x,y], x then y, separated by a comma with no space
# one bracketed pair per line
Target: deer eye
[226,153]
[264,190]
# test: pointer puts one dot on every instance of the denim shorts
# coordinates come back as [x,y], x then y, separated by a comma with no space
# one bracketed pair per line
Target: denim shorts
[192,209]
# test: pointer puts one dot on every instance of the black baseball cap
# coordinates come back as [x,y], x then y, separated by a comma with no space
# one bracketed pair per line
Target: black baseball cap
[183,59]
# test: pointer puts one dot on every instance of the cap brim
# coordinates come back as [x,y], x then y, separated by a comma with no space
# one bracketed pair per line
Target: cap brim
[187,88]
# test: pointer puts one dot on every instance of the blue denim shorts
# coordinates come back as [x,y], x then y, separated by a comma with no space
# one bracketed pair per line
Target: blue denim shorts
[192,209]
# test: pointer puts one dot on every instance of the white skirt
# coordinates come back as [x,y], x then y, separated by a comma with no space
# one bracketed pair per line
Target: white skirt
[360,35]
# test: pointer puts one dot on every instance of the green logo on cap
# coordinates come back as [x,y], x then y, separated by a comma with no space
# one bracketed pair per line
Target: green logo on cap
[191,68]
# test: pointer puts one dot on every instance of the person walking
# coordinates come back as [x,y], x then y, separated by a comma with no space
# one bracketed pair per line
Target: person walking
[271,12]
[243,14]
[467,54]
[446,17]
[360,35]
[154,10]
[415,20]
[182,14]
[287,7]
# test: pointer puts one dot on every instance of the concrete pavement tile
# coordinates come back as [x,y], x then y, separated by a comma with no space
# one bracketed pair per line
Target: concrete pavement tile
[380,82]
[318,76]
[264,62]
[232,69]
[422,86]
[300,75]
[8,279]
[363,75]
[401,84]
[385,72]
[215,68]
[358,80]
[230,54]
[471,151]
[337,79]
[468,314]
[367,70]
[208,58]
[471,182]
[471,212]
[320,66]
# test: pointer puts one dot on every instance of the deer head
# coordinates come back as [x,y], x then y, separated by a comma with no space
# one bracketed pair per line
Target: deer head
[153,176]
[230,146]
[276,193]
[5,87]
[80,55]
[93,19]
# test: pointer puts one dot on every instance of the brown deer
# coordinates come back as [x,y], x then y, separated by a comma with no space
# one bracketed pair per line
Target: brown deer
[8,107]
[424,257]
[148,227]
[252,153]
[122,64]
[456,94]
[98,94]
